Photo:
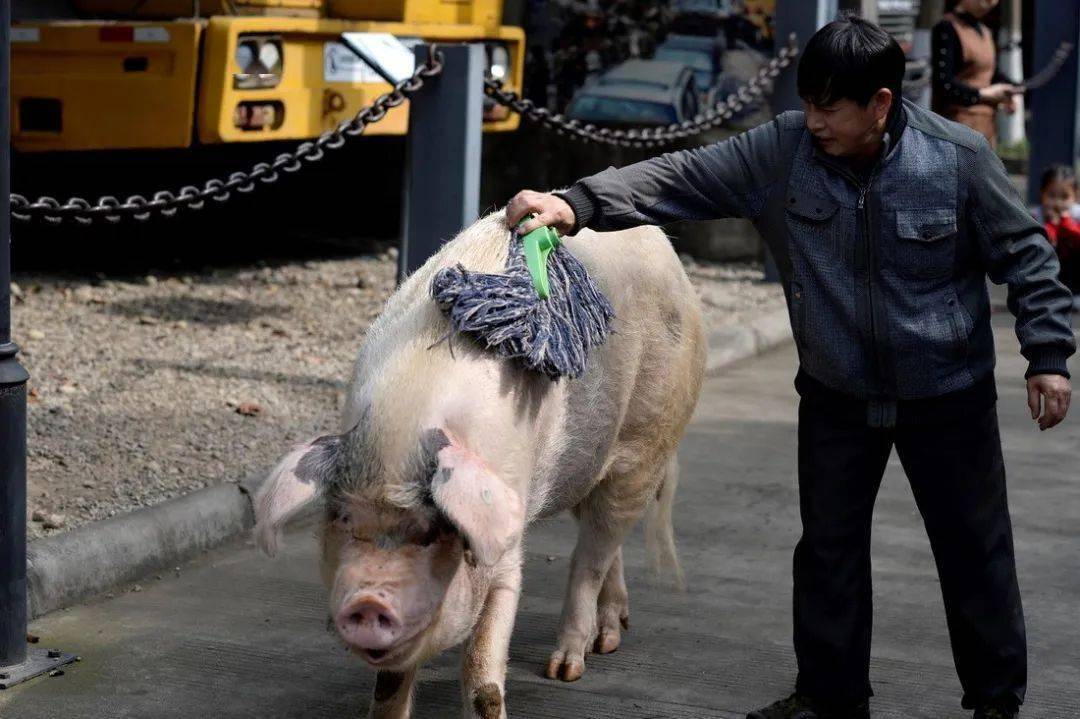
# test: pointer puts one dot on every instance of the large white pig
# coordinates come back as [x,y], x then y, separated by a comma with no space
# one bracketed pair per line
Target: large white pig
[447,453]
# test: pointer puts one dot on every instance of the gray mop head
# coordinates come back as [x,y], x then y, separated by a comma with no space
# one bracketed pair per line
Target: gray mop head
[505,313]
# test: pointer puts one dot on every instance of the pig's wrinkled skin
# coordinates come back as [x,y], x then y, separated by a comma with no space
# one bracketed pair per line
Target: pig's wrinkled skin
[447,453]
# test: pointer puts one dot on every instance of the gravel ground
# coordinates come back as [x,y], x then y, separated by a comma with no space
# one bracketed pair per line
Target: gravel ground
[145,388]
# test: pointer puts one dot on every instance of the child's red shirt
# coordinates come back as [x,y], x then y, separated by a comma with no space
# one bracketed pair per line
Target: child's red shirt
[1065,237]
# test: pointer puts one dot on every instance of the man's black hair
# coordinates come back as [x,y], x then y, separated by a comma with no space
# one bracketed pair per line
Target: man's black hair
[1057,173]
[850,59]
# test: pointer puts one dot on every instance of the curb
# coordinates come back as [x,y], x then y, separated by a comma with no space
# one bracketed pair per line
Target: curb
[729,345]
[74,566]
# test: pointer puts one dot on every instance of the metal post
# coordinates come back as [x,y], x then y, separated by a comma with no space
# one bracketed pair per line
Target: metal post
[804,18]
[1054,106]
[442,155]
[16,662]
[1010,61]
[12,408]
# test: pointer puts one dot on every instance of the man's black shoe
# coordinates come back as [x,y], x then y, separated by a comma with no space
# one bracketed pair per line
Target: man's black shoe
[995,712]
[797,706]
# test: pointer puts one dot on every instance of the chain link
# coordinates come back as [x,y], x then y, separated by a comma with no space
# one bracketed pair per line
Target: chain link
[166,203]
[715,116]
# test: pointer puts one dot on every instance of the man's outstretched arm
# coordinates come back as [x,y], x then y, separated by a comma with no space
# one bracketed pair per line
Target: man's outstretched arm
[1016,252]
[726,179]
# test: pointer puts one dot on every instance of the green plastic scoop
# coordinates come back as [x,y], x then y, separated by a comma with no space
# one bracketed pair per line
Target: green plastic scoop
[538,244]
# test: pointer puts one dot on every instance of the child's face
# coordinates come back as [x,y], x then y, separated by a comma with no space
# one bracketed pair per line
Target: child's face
[1057,199]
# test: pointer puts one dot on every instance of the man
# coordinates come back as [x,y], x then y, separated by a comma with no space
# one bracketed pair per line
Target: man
[884,220]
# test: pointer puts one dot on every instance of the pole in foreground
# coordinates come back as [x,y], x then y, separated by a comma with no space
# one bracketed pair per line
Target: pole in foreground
[442,165]
[18,662]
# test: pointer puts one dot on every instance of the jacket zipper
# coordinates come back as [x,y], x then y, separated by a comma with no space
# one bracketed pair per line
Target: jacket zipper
[864,221]
[864,218]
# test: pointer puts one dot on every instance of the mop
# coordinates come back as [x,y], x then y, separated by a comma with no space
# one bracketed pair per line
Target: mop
[545,312]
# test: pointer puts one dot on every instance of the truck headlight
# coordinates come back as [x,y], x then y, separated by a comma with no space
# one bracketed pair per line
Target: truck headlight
[259,62]
[498,59]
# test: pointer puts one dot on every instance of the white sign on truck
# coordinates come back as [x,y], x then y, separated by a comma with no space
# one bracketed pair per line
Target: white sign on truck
[342,60]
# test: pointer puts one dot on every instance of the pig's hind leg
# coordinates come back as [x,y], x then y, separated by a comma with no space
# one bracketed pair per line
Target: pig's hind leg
[591,616]
[612,608]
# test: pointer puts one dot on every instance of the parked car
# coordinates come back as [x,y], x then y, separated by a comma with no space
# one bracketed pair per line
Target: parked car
[700,17]
[638,93]
[703,55]
[711,46]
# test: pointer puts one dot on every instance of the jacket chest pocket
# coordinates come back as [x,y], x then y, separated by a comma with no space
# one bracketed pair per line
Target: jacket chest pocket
[925,243]
[814,226]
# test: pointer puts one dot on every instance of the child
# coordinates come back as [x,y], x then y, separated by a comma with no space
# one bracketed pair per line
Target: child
[1060,215]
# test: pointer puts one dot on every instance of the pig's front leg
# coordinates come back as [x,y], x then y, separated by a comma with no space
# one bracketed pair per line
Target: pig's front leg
[483,663]
[392,698]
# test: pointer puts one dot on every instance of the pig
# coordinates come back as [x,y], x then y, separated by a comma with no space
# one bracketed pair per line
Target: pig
[447,453]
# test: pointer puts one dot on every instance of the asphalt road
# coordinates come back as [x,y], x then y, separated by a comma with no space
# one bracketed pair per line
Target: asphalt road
[236,635]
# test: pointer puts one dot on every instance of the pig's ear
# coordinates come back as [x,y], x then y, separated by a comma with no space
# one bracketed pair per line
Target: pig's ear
[481,506]
[299,478]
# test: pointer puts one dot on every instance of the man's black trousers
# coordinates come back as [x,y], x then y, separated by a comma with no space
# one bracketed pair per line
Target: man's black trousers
[952,456]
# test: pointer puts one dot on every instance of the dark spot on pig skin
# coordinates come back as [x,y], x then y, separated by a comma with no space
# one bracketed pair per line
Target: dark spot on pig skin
[433,441]
[387,685]
[488,702]
[320,463]
[443,476]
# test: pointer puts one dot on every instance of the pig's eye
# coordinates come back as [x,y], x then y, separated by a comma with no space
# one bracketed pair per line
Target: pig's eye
[429,537]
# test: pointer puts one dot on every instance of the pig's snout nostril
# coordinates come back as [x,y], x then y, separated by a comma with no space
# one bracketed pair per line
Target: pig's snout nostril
[369,624]
[373,618]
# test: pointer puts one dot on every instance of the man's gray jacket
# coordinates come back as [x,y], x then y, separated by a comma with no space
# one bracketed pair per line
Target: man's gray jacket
[884,272]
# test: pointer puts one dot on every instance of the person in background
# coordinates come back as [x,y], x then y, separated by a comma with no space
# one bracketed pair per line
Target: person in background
[967,86]
[1060,214]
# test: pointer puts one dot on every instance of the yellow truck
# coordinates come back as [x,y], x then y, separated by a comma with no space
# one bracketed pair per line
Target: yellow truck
[123,74]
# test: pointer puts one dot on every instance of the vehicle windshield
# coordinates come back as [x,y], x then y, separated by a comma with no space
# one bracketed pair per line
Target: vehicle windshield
[615,109]
[696,60]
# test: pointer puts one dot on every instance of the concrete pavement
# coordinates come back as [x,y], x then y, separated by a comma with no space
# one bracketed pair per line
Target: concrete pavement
[235,635]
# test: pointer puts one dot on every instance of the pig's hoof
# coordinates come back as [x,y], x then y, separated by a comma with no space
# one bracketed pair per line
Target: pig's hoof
[488,702]
[565,666]
[608,621]
[607,641]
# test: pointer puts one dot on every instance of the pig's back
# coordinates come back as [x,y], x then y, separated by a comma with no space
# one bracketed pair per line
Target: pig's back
[631,406]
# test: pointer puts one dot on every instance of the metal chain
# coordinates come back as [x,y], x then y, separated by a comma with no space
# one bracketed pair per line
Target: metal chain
[711,118]
[167,203]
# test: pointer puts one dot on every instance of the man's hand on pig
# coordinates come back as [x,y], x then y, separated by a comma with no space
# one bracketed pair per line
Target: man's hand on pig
[550,211]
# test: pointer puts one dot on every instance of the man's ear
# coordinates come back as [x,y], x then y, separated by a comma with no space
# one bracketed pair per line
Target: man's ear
[481,506]
[883,100]
[299,478]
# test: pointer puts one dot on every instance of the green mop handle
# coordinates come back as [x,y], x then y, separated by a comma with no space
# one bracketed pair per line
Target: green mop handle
[538,244]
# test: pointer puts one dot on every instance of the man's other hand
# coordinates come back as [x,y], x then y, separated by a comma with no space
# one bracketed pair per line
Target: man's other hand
[550,211]
[1051,394]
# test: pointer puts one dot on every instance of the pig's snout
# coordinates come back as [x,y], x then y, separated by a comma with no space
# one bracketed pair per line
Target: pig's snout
[369,623]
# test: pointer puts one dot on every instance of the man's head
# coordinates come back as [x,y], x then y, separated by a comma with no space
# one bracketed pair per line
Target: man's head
[850,76]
